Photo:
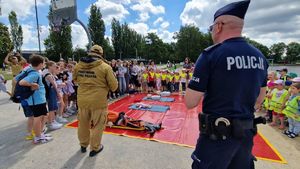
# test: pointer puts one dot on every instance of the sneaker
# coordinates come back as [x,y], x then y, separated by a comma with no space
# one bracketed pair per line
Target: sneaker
[61,119]
[29,136]
[45,129]
[41,140]
[287,132]
[55,126]
[292,135]
[65,115]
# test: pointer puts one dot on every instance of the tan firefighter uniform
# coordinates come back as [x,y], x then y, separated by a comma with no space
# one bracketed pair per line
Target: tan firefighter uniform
[95,79]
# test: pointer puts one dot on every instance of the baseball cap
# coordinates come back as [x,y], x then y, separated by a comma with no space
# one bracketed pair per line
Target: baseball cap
[279,82]
[296,80]
[283,70]
[271,84]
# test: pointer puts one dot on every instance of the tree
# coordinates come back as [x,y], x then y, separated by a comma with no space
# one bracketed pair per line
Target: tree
[79,53]
[293,52]
[59,44]
[96,26]
[16,31]
[264,49]
[116,37]
[191,42]
[6,44]
[277,51]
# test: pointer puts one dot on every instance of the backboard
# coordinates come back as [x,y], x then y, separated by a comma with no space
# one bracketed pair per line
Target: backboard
[64,13]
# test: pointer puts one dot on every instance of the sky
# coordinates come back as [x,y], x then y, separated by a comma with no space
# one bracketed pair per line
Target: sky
[267,21]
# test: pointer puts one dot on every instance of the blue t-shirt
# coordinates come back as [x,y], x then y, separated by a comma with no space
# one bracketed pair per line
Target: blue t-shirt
[231,75]
[39,96]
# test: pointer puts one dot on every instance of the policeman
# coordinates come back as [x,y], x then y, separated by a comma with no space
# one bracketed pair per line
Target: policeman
[94,78]
[231,78]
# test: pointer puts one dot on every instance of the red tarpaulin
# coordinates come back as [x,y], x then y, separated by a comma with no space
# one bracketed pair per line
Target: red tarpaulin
[180,126]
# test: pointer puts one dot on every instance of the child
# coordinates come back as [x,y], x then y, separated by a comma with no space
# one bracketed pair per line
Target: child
[3,86]
[190,74]
[271,86]
[292,111]
[176,81]
[278,98]
[158,80]
[164,80]
[183,79]
[145,81]
[170,81]
[151,80]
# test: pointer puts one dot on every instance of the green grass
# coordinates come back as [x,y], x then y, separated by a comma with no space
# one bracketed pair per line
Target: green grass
[7,75]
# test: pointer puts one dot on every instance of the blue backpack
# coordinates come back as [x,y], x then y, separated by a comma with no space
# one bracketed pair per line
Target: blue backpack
[22,92]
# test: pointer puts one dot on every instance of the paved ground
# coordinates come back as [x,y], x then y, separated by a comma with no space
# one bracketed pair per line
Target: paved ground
[119,152]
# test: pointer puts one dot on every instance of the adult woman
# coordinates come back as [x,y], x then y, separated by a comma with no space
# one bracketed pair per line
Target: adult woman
[126,65]
[187,63]
[135,69]
[152,66]
[115,70]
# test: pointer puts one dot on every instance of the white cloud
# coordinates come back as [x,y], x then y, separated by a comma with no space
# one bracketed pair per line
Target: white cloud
[166,36]
[140,28]
[158,20]
[30,40]
[145,7]
[111,9]
[165,25]
[266,21]
[143,17]
[79,37]
[23,8]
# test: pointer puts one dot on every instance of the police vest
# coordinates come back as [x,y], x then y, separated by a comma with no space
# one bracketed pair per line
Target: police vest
[190,75]
[292,108]
[276,103]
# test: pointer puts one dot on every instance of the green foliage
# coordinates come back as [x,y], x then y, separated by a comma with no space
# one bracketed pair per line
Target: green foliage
[264,49]
[59,44]
[96,26]
[79,53]
[191,42]
[6,44]
[16,31]
[293,52]
[277,51]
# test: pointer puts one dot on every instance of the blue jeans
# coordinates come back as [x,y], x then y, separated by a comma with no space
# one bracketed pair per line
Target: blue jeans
[224,154]
[294,126]
[122,85]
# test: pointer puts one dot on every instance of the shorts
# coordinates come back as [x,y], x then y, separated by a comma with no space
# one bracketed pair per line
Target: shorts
[39,110]
[27,111]
[52,100]
[3,87]
[277,114]
[151,84]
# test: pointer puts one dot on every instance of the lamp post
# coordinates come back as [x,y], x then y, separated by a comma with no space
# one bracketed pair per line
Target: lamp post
[37,26]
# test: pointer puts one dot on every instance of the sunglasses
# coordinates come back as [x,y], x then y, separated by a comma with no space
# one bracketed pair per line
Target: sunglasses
[211,27]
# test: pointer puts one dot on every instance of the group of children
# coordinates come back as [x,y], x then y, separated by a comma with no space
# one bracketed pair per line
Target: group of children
[282,103]
[165,80]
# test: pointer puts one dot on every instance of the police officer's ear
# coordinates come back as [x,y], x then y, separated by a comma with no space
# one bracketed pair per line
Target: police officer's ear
[219,27]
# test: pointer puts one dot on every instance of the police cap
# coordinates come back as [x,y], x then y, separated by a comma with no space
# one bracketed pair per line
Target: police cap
[237,9]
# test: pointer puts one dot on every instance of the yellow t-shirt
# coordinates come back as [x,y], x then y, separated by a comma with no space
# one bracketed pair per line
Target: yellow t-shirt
[163,76]
[157,75]
[15,68]
[170,77]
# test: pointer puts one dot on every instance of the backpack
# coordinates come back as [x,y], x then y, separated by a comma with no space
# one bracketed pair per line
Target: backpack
[47,88]
[22,92]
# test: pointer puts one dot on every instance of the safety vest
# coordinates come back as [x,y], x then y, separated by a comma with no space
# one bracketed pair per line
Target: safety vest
[190,75]
[157,75]
[152,74]
[276,103]
[145,76]
[170,77]
[177,77]
[292,108]
[163,77]
[183,75]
